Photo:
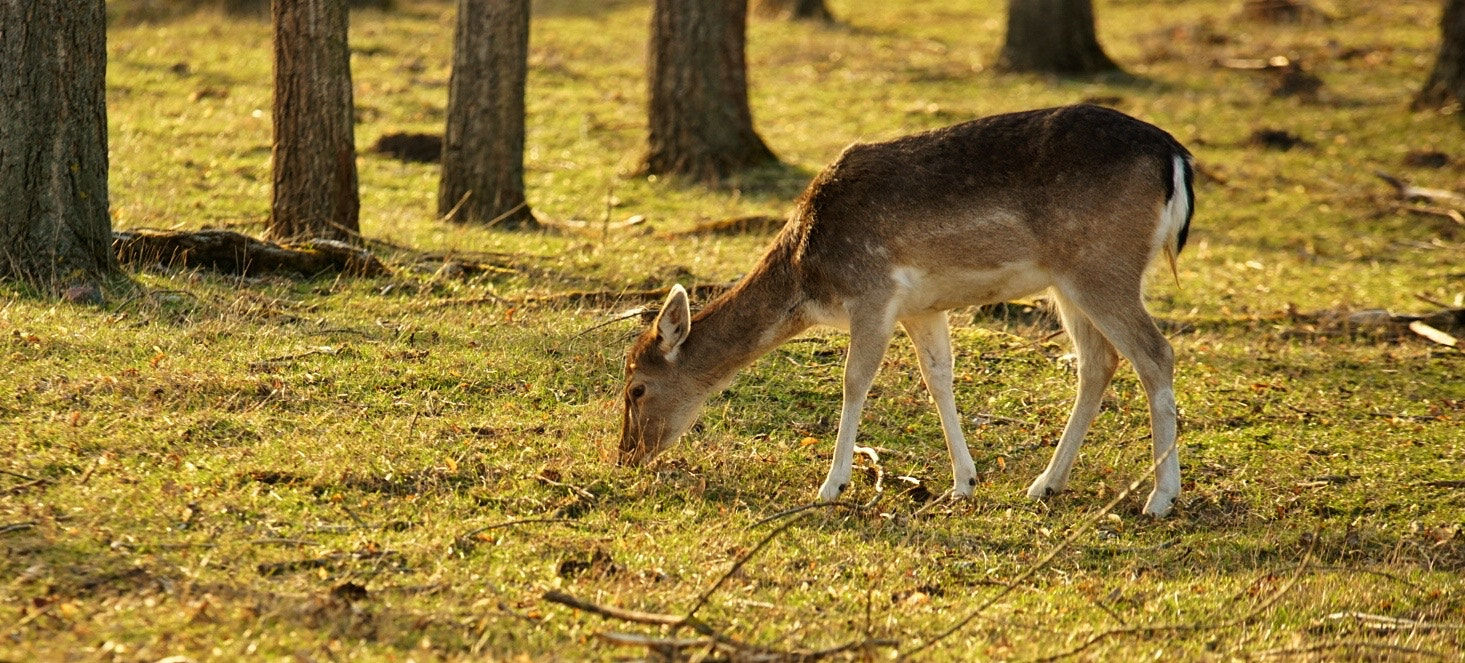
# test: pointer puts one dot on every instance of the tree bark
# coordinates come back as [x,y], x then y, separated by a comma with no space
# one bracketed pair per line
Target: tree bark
[315,188]
[1053,37]
[700,123]
[54,224]
[1445,87]
[483,147]
[795,10]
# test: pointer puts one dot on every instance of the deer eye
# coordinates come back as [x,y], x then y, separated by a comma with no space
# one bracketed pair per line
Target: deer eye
[637,392]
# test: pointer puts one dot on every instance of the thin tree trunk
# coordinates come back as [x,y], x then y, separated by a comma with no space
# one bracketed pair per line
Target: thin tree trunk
[315,188]
[794,10]
[700,123]
[1446,85]
[1054,37]
[483,147]
[54,224]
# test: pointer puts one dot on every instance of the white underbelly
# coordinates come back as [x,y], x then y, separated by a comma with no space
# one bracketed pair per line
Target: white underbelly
[923,291]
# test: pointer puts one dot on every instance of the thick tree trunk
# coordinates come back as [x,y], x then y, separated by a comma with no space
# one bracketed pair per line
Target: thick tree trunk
[1053,37]
[795,10]
[315,190]
[1446,85]
[700,123]
[54,224]
[483,147]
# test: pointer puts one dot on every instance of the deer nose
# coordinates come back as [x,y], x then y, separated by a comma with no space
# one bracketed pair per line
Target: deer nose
[631,454]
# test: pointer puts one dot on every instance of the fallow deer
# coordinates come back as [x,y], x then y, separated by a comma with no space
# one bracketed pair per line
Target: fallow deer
[1078,199]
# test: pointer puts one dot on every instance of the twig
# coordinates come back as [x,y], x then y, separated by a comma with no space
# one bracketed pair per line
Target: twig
[22,487]
[299,543]
[1385,622]
[22,477]
[1163,628]
[1381,574]
[459,205]
[707,594]
[633,616]
[354,518]
[715,639]
[802,508]
[511,523]
[1430,210]
[16,527]
[1345,644]
[320,350]
[624,315]
[1043,561]
[500,218]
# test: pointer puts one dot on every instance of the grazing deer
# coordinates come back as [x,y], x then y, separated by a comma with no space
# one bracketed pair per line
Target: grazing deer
[1079,199]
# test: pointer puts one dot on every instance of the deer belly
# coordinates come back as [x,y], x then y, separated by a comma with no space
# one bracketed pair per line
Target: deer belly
[920,290]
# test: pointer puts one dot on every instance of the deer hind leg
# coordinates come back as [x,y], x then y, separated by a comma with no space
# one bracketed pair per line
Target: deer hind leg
[1097,360]
[869,337]
[932,339]
[1125,322]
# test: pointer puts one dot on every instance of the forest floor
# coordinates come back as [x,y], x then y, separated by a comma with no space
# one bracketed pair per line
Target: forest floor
[416,466]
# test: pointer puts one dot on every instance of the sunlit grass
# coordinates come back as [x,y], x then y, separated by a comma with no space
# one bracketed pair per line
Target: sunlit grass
[212,466]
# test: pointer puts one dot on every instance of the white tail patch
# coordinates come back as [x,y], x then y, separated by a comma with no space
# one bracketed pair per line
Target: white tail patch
[1176,215]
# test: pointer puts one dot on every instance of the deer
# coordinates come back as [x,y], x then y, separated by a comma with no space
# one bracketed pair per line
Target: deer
[1075,200]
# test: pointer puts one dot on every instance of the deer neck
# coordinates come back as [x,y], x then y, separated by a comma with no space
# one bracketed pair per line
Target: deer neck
[758,314]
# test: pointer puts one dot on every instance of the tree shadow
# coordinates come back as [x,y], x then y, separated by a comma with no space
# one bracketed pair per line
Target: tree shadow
[768,182]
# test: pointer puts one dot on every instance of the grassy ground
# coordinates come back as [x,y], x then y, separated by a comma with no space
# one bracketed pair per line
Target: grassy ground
[400,468]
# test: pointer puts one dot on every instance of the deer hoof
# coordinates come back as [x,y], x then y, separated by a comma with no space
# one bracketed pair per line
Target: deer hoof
[831,490]
[1043,487]
[1159,504]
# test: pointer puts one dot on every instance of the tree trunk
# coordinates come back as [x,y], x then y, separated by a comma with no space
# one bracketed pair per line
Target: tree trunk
[1053,37]
[54,224]
[700,124]
[483,147]
[1445,88]
[315,190]
[796,10]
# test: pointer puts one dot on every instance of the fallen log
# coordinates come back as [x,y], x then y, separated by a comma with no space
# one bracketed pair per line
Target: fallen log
[235,253]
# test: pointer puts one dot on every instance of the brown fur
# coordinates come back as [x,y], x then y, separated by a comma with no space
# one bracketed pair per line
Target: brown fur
[1070,197]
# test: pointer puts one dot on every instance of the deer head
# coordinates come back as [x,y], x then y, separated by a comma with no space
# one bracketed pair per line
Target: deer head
[661,402]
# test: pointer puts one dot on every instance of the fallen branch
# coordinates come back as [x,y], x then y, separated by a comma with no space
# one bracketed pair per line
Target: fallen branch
[713,640]
[235,253]
[1410,192]
[738,225]
[1423,329]
[1428,210]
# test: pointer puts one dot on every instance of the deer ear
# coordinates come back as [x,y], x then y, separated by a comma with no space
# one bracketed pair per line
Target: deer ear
[674,322]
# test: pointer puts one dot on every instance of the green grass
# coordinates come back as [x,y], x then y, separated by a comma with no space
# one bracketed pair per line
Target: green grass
[208,466]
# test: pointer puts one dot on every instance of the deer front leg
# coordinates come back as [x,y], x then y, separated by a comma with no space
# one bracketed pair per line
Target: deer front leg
[932,338]
[866,348]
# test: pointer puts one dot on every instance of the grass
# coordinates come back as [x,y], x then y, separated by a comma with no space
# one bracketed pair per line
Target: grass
[217,468]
